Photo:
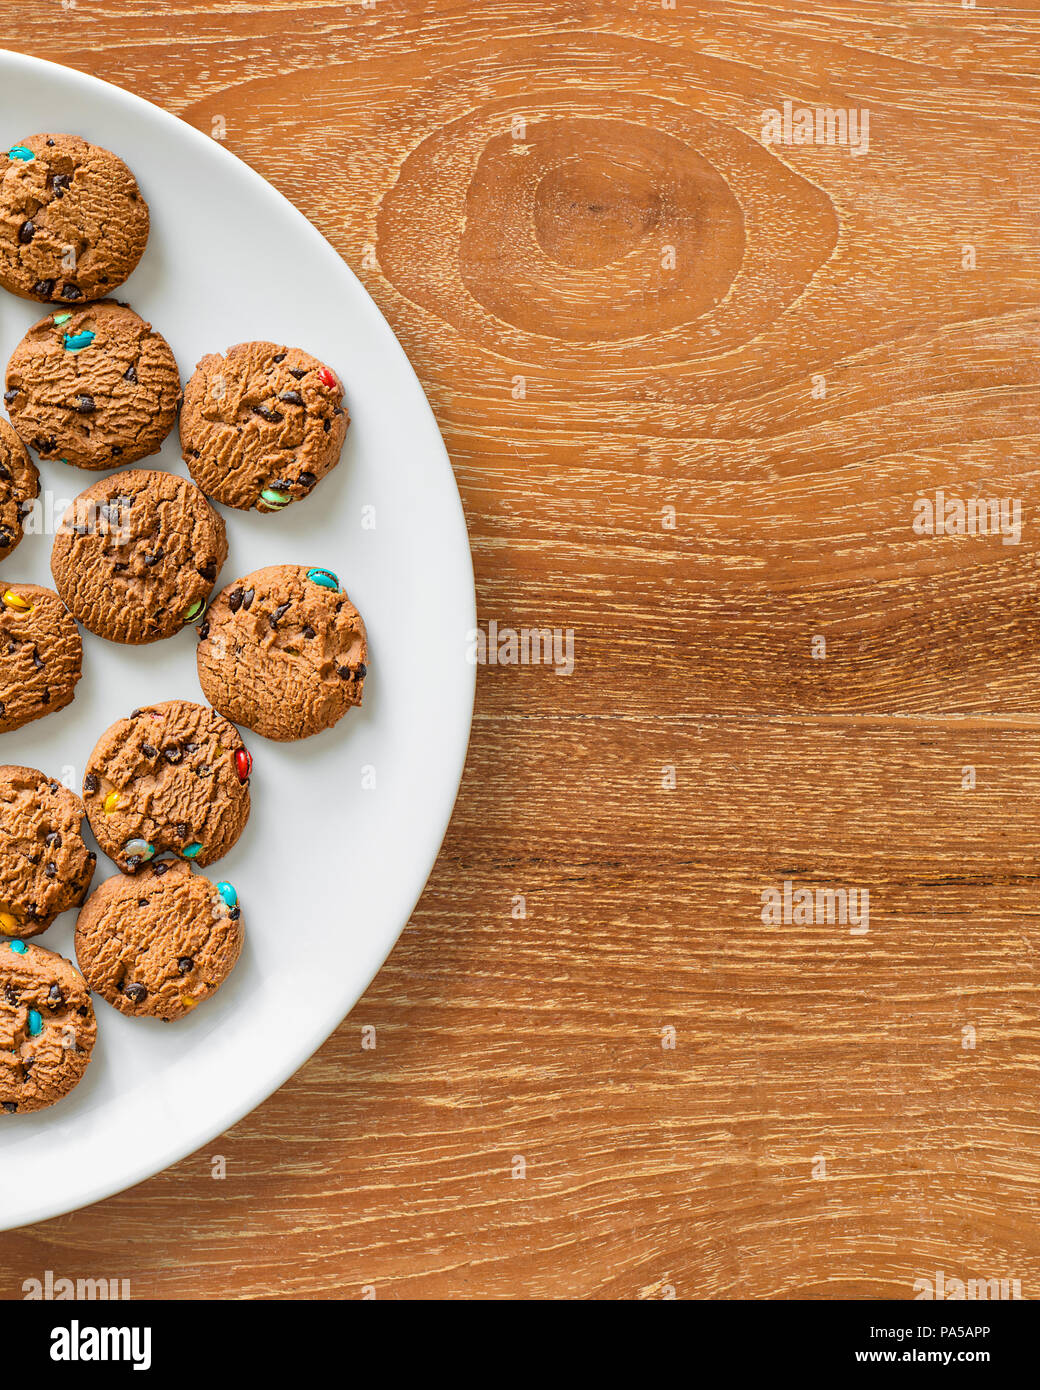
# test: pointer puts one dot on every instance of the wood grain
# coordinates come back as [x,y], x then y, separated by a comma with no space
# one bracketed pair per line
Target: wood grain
[620,302]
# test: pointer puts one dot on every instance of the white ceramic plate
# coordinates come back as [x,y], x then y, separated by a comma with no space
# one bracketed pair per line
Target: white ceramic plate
[327,871]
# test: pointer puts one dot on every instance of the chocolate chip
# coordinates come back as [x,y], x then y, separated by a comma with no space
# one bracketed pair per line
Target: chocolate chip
[10,1106]
[278,614]
[26,232]
[235,914]
[153,557]
[185,965]
[183,831]
[142,902]
[208,570]
[50,869]
[308,632]
[149,751]
[50,142]
[44,445]
[53,839]
[71,291]
[306,480]
[345,672]
[55,998]
[337,410]
[85,405]
[136,993]
[247,599]
[133,863]
[135,714]
[160,868]
[298,372]
[280,484]
[119,566]
[10,994]
[291,398]
[172,753]
[265,413]
[90,784]
[43,288]
[38,660]
[10,395]
[203,630]
[327,425]
[234,601]
[362,671]
[116,450]
[60,184]
[5,538]
[12,646]
[83,1011]
[45,698]
[92,856]
[130,375]
[278,357]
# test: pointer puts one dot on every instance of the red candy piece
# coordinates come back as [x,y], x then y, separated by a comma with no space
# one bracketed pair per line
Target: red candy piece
[327,379]
[243,764]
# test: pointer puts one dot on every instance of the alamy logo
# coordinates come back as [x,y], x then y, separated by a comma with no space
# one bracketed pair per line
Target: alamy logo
[818,125]
[79,1343]
[954,1289]
[530,646]
[976,516]
[791,906]
[61,1288]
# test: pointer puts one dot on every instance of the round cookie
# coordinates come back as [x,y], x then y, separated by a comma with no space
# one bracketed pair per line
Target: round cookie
[45,867]
[283,651]
[262,425]
[158,944]
[41,654]
[73,223]
[94,386]
[173,777]
[136,554]
[19,484]
[47,1027]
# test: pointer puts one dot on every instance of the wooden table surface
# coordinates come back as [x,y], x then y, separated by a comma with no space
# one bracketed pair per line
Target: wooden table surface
[693,385]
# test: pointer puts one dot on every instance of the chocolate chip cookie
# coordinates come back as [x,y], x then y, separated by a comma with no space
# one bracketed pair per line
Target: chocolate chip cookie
[19,484]
[262,425]
[283,651]
[45,867]
[73,223]
[136,555]
[157,944]
[41,654]
[47,1027]
[94,386]
[172,778]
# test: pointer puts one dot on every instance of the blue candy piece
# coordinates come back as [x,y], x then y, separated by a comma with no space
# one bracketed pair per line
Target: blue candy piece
[192,851]
[18,947]
[76,342]
[325,578]
[22,152]
[35,1023]
[227,892]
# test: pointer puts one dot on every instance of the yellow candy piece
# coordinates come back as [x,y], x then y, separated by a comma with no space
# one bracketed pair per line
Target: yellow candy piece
[188,1001]
[110,803]
[8,922]
[13,600]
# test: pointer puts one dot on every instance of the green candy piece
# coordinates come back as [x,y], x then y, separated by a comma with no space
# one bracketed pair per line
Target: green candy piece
[22,152]
[195,609]
[275,499]
[61,318]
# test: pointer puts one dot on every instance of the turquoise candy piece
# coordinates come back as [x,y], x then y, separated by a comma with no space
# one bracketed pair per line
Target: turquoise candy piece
[22,152]
[35,1023]
[192,851]
[325,578]
[227,892]
[138,849]
[18,947]
[76,342]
